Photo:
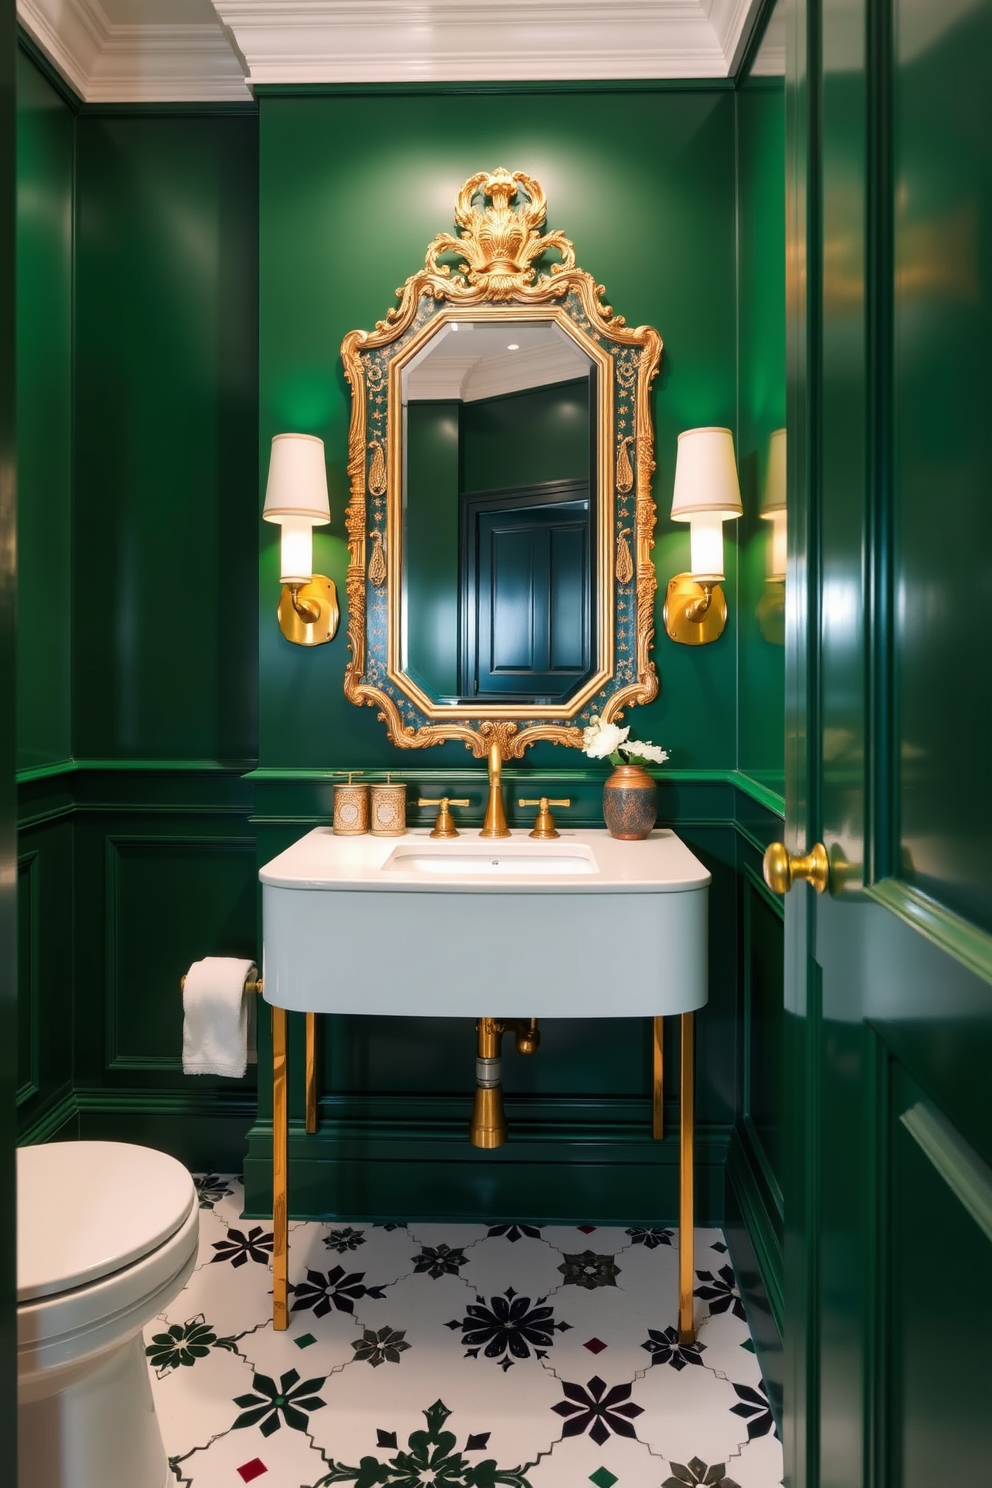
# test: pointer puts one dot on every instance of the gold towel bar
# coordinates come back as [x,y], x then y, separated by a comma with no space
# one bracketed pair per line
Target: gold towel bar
[250,986]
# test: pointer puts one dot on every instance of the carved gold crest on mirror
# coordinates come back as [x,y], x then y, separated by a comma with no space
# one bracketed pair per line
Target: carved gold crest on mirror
[500,525]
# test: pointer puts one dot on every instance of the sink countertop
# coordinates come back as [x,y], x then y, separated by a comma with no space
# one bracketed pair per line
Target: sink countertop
[322,861]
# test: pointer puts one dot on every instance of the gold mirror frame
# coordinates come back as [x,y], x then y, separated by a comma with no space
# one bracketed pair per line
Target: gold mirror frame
[501,217]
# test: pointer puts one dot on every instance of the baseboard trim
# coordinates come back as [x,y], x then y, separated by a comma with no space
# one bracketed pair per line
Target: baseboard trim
[756,1253]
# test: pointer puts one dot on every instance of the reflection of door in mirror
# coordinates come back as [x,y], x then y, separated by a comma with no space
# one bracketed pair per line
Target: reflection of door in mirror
[499,514]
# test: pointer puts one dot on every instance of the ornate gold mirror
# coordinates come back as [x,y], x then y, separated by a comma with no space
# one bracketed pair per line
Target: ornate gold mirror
[500,526]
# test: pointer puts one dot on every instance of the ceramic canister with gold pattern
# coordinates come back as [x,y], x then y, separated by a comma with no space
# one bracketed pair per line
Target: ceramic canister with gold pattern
[351,809]
[388,810]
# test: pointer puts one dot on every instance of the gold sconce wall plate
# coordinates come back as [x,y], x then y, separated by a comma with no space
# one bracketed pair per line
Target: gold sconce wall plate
[319,598]
[688,618]
[502,269]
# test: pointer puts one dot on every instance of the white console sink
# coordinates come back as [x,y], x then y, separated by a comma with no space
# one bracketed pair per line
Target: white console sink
[580,926]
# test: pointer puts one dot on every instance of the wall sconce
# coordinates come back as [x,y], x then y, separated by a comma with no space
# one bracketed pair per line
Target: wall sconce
[707,494]
[296,497]
[771,606]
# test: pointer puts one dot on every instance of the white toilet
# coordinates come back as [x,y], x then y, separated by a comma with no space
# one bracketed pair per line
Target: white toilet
[106,1238]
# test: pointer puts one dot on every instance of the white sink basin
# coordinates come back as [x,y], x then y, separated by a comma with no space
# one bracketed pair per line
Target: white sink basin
[479,862]
[581,926]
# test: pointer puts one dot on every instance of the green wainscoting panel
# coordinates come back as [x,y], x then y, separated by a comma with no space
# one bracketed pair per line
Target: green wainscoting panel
[45,968]
[165,550]
[353,188]
[939,1419]
[764,1032]
[45,168]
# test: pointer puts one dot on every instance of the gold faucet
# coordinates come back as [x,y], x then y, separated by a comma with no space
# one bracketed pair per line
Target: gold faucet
[495,822]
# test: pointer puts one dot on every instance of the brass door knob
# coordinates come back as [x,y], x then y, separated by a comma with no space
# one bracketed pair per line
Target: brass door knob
[782,868]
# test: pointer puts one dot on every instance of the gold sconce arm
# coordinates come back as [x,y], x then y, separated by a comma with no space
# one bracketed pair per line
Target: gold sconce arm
[309,613]
[695,610]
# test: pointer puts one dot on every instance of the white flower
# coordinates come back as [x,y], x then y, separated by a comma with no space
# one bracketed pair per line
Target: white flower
[602,739]
[646,751]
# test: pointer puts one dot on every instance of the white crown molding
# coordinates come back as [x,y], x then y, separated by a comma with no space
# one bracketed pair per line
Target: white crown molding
[166,64]
[107,63]
[340,41]
[379,41]
[71,33]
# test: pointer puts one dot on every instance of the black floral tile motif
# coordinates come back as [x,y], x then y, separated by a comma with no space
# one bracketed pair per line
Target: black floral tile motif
[439,1260]
[211,1187]
[431,1457]
[695,1474]
[334,1289]
[183,1344]
[597,1410]
[509,1325]
[289,1400]
[720,1292]
[239,1248]
[389,1224]
[754,1408]
[513,1232]
[380,1346]
[664,1348]
[650,1238]
[346,1239]
[589,1270]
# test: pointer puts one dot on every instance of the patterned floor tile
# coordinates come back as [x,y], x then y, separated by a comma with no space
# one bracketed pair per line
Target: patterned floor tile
[514,1345]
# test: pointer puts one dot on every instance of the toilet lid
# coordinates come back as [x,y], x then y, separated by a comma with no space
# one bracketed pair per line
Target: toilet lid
[85,1209]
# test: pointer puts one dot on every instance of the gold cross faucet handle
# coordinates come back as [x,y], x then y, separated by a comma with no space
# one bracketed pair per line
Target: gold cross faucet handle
[445,824]
[544,825]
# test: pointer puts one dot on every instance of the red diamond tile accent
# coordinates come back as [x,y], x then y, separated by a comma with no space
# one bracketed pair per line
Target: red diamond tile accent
[253,1469]
[585,1229]
[595,1345]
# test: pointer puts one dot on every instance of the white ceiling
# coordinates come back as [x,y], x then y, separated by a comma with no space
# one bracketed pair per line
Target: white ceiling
[130,51]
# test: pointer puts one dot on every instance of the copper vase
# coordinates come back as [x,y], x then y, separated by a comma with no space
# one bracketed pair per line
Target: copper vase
[630,803]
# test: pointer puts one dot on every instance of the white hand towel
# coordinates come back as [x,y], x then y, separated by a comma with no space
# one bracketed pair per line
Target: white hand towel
[216,1017]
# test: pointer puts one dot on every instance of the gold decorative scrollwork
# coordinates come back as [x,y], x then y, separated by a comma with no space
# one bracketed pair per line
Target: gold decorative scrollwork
[499,262]
[377,563]
[625,564]
[377,469]
[625,475]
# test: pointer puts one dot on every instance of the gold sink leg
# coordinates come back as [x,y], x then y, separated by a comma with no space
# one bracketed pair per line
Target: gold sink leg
[658,1082]
[488,1127]
[687,1119]
[311,1072]
[280,1175]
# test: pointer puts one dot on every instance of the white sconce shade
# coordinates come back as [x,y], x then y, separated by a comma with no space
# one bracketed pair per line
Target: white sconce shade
[773,505]
[296,497]
[707,493]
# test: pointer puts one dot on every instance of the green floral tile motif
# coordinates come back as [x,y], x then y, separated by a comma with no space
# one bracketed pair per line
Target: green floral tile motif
[589,1270]
[664,1348]
[210,1187]
[650,1237]
[272,1404]
[510,1325]
[184,1344]
[513,1232]
[439,1260]
[322,1291]
[346,1239]
[431,1457]
[382,1346]
[695,1474]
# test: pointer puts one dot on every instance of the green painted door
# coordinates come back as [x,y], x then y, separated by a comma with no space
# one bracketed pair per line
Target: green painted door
[889,701]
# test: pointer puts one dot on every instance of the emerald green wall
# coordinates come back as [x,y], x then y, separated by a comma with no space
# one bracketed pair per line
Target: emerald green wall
[137,856]
[430,544]
[760,410]
[8,746]
[45,165]
[164,535]
[540,434]
[352,191]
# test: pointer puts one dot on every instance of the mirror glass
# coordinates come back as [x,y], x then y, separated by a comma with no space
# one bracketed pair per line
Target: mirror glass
[499,512]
